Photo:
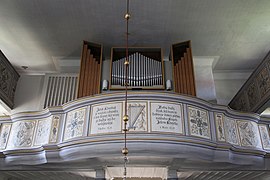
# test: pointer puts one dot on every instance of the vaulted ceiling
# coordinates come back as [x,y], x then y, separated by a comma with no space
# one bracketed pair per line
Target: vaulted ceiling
[35,33]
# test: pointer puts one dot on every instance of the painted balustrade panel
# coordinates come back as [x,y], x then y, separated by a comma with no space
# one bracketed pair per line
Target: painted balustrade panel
[264,132]
[199,125]
[4,134]
[185,118]
[22,134]
[75,122]
[138,117]
[42,132]
[54,129]
[167,117]
[106,118]
[249,134]
[220,131]
[231,132]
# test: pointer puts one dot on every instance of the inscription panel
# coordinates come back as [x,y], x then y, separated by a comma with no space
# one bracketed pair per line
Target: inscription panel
[166,117]
[106,118]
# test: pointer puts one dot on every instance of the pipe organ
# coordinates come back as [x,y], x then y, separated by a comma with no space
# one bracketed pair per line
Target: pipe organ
[145,70]
[90,69]
[182,65]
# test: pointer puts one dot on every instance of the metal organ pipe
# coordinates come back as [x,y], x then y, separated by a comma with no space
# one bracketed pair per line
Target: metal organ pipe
[129,71]
[139,60]
[154,69]
[148,72]
[142,71]
[123,73]
[151,68]
[137,68]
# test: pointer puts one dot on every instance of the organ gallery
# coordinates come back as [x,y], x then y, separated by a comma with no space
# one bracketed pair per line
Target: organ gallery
[146,69]
[120,110]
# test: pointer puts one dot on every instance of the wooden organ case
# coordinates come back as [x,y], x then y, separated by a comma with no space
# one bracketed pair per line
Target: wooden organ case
[90,69]
[145,70]
[182,65]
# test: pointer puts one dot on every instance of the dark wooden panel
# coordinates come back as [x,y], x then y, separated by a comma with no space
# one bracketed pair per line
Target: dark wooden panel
[82,70]
[183,70]
[87,68]
[8,81]
[175,78]
[98,77]
[94,89]
[180,87]
[254,95]
[90,80]
[187,72]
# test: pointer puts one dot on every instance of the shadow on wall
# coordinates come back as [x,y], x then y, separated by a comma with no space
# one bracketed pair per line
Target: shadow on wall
[28,93]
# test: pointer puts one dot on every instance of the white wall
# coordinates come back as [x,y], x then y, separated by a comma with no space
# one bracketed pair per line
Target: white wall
[227,84]
[205,86]
[28,93]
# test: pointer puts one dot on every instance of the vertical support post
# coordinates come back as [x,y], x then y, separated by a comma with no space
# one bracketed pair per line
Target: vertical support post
[100,174]
[172,174]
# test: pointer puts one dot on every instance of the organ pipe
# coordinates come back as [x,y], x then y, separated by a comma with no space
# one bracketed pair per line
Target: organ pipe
[90,69]
[183,72]
[143,71]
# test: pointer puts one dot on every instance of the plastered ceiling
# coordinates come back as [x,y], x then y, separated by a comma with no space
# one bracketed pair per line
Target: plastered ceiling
[35,33]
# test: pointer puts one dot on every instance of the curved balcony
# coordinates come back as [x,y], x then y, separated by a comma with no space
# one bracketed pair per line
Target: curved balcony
[165,130]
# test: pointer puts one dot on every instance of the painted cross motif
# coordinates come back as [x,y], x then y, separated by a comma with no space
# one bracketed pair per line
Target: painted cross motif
[74,124]
[199,122]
